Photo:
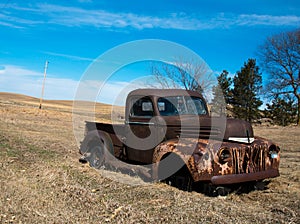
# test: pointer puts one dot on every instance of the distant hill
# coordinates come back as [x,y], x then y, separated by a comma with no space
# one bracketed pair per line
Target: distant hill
[102,110]
[23,99]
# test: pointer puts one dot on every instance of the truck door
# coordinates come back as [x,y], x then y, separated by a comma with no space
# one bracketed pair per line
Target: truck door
[141,133]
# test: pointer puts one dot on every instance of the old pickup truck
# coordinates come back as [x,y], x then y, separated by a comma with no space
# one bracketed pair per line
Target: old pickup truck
[172,133]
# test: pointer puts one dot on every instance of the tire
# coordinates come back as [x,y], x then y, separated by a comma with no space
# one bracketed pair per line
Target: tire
[95,148]
[95,154]
[181,179]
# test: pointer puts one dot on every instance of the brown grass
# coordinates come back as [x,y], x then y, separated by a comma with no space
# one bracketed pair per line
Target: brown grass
[41,180]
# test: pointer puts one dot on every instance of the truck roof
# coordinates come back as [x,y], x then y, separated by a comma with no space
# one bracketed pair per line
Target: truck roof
[164,92]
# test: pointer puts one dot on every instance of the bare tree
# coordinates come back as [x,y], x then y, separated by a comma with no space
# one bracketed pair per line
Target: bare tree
[183,74]
[280,57]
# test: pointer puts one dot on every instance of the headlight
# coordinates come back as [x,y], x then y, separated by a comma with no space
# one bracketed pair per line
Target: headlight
[224,155]
[274,151]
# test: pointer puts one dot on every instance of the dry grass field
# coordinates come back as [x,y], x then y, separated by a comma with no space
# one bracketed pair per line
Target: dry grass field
[41,180]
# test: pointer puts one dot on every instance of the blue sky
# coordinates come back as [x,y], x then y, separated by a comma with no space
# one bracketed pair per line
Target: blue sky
[72,34]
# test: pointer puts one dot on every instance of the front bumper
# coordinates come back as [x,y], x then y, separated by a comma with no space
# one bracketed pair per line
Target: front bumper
[245,177]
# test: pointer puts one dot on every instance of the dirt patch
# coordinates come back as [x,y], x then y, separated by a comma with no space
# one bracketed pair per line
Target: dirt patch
[41,180]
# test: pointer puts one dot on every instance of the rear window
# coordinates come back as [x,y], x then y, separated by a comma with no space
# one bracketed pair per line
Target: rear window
[142,107]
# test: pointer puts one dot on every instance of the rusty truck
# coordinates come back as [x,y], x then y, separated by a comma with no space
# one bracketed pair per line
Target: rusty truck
[172,132]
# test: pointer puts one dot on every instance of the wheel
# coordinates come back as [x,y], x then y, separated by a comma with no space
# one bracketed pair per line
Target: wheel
[181,179]
[95,154]
[95,148]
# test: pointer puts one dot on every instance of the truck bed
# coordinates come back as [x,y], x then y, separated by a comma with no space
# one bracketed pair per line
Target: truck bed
[112,130]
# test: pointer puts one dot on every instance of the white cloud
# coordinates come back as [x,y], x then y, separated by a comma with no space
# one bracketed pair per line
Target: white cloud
[267,20]
[11,70]
[73,57]
[29,82]
[9,24]
[10,20]
[75,16]
[17,79]
[110,92]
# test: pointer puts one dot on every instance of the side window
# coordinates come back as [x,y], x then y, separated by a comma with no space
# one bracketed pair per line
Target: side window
[200,106]
[141,107]
[166,106]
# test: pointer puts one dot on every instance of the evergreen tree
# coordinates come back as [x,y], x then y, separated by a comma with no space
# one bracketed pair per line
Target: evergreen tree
[247,84]
[282,111]
[222,94]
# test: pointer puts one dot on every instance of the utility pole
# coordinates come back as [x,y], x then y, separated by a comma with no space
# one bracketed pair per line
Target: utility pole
[43,87]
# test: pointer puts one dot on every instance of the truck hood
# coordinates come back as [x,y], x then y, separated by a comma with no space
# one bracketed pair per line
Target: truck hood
[220,128]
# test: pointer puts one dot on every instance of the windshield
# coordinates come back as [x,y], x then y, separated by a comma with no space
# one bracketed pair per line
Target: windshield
[180,105]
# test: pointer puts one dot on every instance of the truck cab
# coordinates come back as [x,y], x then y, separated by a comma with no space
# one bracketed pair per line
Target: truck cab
[153,116]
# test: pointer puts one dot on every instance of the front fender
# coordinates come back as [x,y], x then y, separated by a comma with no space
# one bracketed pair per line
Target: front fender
[194,153]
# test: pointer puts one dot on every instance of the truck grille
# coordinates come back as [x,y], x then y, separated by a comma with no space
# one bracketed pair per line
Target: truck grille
[249,159]
[194,132]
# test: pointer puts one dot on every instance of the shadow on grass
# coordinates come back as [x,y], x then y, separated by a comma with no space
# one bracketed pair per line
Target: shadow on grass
[205,188]
[243,188]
